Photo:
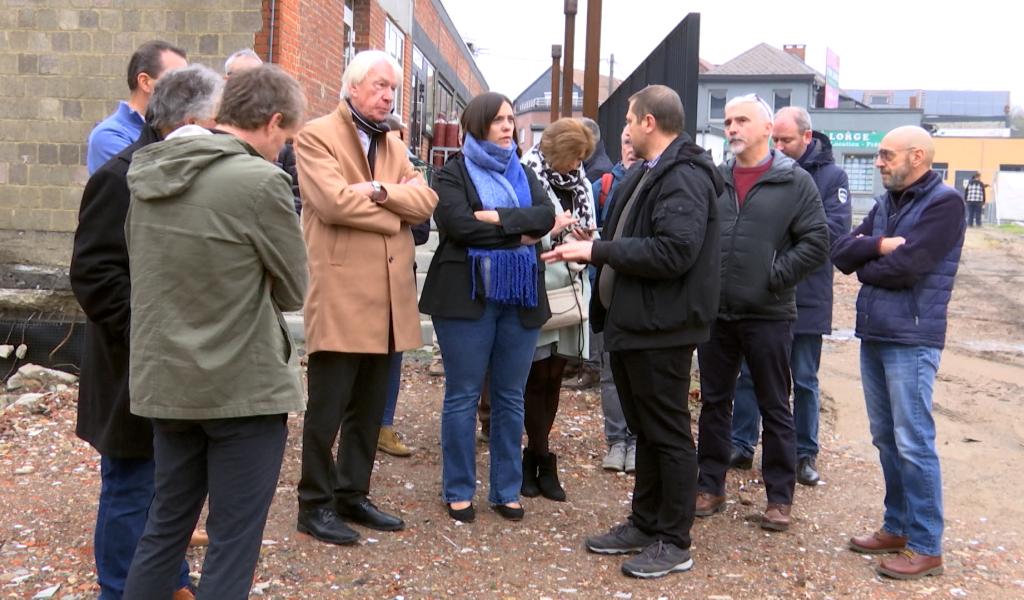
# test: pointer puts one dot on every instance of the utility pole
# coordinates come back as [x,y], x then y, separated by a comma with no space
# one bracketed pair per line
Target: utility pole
[611,74]
[556,57]
[591,72]
[567,63]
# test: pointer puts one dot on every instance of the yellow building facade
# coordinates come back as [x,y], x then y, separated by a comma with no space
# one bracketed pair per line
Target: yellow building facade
[960,157]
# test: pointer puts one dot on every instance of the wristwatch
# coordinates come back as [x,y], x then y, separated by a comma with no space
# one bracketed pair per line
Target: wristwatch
[379,195]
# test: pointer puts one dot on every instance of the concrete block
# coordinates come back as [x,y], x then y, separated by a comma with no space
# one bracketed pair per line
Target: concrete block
[33,219]
[49,109]
[46,20]
[70,154]
[71,109]
[63,220]
[110,20]
[52,65]
[102,42]
[81,41]
[38,41]
[88,19]
[18,174]
[175,20]
[131,20]
[245,22]
[49,154]
[28,64]
[26,18]
[60,41]
[152,20]
[209,44]
[67,20]
[197,21]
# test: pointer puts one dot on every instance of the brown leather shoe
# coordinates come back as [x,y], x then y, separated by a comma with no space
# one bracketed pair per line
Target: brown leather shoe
[879,542]
[910,565]
[389,441]
[776,517]
[199,538]
[709,504]
[183,594]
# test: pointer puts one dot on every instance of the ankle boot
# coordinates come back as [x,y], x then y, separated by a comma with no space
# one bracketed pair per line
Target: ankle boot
[547,477]
[530,487]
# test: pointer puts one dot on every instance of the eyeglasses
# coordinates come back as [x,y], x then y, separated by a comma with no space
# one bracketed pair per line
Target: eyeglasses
[889,155]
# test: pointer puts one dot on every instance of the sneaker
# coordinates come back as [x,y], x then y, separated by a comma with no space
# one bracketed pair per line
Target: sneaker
[389,442]
[615,460]
[657,560]
[624,538]
[630,464]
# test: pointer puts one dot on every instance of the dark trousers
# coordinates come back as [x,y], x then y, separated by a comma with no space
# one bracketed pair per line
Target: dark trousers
[347,393]
[653,387]
[540,401]
[126,492]
[765,345]
[974,213]
[235,461]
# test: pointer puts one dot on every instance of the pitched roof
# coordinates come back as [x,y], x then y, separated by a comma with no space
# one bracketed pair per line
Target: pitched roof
[764,59]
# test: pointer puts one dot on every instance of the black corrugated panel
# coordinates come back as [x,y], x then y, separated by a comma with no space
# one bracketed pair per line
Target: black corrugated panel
[53,344]
[675,63]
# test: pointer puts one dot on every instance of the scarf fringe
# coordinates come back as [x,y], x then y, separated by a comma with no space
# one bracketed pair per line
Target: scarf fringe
[512,275]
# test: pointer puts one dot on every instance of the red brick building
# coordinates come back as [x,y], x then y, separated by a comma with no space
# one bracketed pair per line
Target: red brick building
[312,39]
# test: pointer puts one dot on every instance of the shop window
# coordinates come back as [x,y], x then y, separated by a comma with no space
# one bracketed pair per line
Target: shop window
[942,169]
[860,169]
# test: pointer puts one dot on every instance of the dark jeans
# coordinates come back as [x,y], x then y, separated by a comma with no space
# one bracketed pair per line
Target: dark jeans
[766,346]
[394,385]
[804,360]
[126,492]
[541,401]
[974,213]
[653,388]
[237,461]
[347,392]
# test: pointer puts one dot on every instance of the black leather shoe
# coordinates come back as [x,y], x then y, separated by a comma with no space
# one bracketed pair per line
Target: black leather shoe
[508,512]
[466,515]
[366,514]
[806,474]
[322,523]
[739,460]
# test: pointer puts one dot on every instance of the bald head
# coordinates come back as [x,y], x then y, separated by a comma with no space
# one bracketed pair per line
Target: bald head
[912,136]
[904,156]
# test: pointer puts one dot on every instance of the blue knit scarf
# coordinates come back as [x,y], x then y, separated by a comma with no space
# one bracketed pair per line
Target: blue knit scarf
[510,275]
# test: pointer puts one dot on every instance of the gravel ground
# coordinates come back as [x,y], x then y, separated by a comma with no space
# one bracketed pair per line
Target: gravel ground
[50,481]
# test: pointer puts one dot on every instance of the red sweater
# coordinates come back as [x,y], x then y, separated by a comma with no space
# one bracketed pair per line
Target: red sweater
[746,177]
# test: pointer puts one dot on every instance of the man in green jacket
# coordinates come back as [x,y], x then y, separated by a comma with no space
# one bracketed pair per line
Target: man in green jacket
[215,255]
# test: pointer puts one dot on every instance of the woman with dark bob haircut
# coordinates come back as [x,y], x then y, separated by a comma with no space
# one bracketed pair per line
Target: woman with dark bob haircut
[485,292]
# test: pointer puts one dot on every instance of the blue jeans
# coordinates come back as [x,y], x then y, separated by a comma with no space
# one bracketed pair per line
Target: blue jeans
[394,383]
[498,342]
[804,360]
[898,382]
[126,492]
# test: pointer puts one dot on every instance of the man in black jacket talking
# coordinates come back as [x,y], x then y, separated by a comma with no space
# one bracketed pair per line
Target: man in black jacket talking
[773,235]
[657,297]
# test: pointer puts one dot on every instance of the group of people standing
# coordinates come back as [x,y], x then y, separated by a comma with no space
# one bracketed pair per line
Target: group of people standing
[189,249]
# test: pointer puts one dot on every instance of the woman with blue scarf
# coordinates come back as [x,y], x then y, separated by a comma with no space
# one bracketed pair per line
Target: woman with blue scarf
[485,292]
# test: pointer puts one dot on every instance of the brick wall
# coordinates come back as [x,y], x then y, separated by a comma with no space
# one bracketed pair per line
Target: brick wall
[62,69]
[450,45]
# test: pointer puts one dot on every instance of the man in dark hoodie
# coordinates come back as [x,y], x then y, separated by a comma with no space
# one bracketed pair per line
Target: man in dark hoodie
[773,235]
[100,281]
[657,297]
[598,163]
[813,152]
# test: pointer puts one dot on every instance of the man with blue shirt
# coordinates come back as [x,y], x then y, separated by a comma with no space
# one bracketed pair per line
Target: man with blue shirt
[905,254]
[122,128]
[811,150]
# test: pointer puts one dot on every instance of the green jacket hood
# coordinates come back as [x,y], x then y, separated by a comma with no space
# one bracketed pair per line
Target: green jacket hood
[167,169]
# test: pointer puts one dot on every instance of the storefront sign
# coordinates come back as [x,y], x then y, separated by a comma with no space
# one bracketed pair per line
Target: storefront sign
[846,138]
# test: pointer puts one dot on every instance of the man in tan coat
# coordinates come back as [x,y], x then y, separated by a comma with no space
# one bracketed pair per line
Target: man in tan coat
[360,196]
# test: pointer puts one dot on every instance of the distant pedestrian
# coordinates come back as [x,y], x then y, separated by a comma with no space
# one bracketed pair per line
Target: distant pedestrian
[974,194]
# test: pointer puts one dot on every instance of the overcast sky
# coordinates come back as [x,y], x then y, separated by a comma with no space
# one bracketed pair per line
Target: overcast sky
[881,44]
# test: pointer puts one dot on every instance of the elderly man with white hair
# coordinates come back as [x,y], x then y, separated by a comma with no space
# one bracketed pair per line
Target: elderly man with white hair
[773,235]
[360,197]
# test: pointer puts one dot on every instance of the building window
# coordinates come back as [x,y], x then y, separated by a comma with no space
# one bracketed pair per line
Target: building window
[878,99]
[1012,168]
[783,98]
[716,105]
[860,169]
[942,169]
[444,103]
[394,44]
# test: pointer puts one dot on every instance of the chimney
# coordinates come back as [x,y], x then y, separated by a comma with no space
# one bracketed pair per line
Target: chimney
[913,102]
[797,50]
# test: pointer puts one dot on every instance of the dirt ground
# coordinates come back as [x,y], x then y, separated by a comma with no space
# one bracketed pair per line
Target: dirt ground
[50,481]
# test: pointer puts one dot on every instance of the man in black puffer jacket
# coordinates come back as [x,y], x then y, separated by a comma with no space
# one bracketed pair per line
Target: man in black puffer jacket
[657,296]
[773,235]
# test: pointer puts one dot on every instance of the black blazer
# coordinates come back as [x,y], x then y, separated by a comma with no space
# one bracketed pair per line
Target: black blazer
[99,279]
[448,287]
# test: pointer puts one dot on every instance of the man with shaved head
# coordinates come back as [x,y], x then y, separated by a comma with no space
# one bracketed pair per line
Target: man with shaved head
[906,254]
[773,235]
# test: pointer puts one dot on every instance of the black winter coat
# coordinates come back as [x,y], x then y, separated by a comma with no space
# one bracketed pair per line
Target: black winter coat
[447,290]
[666,261]
[773,242]
[100,282]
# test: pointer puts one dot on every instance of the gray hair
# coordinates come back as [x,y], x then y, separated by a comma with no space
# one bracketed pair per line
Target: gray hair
[191,92]
[360,66]
[801,117]
[243,53]
[593,127]
[766,111]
